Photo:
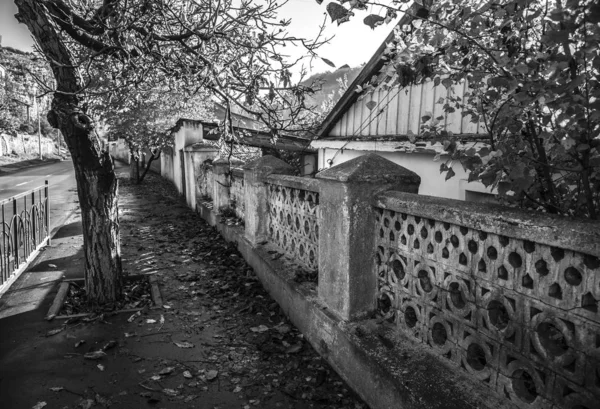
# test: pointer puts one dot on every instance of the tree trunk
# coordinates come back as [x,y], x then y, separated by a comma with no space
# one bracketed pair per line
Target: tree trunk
[153,157]
[134,168]
[94,170]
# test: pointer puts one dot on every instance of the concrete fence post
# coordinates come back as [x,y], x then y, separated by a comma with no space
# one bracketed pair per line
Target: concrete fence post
[347,284]
[197,154]
[255,194]
[221,169]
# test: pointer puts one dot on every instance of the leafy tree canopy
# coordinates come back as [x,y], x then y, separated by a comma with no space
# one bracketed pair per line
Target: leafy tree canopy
[232,49]
[532,68]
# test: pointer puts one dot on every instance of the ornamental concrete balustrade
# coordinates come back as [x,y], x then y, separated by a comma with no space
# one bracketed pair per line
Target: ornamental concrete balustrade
[509,297]
[293,217]
[320,223]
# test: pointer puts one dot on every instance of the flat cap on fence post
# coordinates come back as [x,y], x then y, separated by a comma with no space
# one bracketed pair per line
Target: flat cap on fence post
[221,169]
[347,284]
[255,174]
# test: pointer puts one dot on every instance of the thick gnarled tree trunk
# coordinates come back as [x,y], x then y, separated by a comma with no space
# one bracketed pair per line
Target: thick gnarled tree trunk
[96,180]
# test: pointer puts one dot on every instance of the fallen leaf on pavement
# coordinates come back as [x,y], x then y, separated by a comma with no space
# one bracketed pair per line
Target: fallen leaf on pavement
[54,331]
[102,400]
[110,344]
[170,392]
[212,374]
[167,370]
[101,367]
[39,405]
[292,349]
[184,344]
[86,403]
[260,328]
[283,329]
[134,316]
[95,355]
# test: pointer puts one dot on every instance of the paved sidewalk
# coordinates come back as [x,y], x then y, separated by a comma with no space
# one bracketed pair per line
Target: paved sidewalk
[219,341]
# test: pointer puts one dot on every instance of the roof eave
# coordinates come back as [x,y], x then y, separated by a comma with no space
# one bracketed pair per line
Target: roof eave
[350,96]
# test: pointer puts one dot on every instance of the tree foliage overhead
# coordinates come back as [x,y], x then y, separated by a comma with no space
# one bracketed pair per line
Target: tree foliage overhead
[144,118]
[532,67]
[230,48]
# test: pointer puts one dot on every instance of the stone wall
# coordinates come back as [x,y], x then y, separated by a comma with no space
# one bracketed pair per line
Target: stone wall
[507,299]
[25,145]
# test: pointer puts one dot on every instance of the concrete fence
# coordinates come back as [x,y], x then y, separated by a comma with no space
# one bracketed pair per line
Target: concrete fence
[419,301]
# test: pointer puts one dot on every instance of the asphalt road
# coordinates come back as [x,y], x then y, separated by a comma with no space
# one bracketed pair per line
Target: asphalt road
[63,192]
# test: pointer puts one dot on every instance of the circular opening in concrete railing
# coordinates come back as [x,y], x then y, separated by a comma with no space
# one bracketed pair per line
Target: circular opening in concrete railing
[398,269]
[552,339]
[498,314]
[439,334]
[473,246]
[410,317]
[573,276]
[425,281]
[524,385]
[541,267]
[476,357]
[456,296]
[384,303]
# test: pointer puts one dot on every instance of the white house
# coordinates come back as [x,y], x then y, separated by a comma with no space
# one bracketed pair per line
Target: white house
[382,123]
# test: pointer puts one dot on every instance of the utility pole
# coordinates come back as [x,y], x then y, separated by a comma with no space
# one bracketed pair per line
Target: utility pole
[39,127]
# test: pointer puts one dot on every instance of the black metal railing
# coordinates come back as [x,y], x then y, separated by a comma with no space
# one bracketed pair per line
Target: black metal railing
[25,228]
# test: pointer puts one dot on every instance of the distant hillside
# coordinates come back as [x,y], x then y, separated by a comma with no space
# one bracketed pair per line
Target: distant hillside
[330,82]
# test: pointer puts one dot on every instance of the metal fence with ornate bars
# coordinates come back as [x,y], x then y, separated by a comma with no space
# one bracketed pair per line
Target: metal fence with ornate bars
[25,229]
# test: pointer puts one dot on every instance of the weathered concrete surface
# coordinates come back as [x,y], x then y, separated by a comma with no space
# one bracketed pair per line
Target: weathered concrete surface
[346,230]
[296,182]
[371,168]
[221,187]
[577,235]
[195,156]
[255,174]
[384,371]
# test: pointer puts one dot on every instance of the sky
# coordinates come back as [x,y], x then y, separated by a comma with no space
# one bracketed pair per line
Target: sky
[354,42]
